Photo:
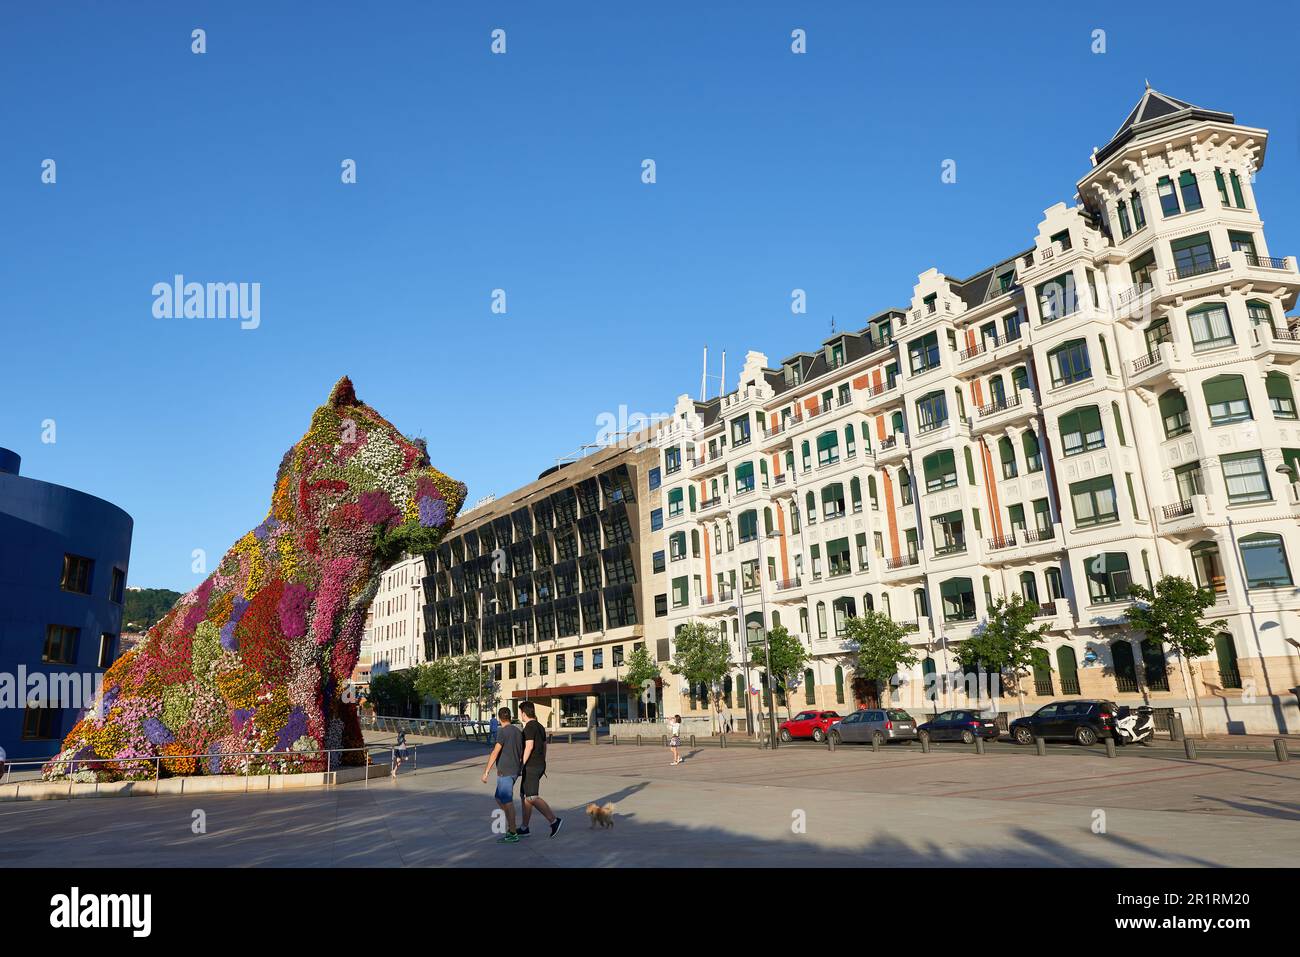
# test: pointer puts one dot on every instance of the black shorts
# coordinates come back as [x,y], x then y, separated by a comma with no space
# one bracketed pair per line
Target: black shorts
[532,782]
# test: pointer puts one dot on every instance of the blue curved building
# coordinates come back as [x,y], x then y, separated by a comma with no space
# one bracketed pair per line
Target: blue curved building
[63,565]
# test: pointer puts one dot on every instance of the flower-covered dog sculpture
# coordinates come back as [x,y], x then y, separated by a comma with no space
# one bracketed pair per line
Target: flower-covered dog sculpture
[257,658]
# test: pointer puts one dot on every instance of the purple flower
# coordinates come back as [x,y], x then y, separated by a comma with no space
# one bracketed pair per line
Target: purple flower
[239,716]
[293,610]
[238,608]
[157,732]
[109,697]
[214,760]
[433,512]
[377,508]
[228,639]
[294,729]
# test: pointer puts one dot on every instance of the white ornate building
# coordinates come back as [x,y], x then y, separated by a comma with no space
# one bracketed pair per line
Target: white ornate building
[1114,404]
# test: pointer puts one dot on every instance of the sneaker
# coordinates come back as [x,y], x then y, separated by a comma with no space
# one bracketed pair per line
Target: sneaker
[555,826]
[508,839]
[522,831]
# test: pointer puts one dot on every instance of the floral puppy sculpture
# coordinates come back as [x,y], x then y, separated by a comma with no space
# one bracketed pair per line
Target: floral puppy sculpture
[257,657]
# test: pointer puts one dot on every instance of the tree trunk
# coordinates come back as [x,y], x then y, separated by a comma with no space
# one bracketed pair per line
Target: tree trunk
[1191,691]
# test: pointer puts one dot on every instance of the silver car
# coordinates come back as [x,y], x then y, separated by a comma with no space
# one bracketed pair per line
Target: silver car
[880,725]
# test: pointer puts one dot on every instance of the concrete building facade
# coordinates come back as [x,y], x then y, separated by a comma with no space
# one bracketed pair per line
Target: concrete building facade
[1114,404]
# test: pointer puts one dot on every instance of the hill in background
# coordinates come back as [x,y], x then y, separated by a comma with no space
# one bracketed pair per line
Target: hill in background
[145,606]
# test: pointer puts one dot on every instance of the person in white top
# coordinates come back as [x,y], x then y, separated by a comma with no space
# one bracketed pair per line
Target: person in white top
[675,738]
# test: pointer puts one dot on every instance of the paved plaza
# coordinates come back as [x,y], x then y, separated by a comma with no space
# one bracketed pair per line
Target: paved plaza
[733,807]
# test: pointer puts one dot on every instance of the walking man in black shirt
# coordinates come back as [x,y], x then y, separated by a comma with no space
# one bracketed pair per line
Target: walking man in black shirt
[507,755]
[534,769]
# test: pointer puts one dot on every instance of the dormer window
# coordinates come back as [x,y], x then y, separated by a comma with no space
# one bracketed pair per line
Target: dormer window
[792,374]
[1006,281]
[835,355]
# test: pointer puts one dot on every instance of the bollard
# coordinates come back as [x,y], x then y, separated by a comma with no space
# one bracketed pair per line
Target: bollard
[925,744]
[979,744]
[692,741]
[1110,747]
[613,739]
[1279,748]
[830,742]
[638,740]
[722,740]
[875,744]
[1176,728]
[663,740]
[593,735]
[1189,748]
[1040,746]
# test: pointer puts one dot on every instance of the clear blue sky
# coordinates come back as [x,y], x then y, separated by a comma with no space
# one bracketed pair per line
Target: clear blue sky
[521,171]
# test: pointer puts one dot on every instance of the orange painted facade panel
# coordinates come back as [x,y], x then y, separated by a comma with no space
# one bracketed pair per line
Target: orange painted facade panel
[891,514]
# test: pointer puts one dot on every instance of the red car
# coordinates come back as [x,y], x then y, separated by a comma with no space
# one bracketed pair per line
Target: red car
[809,724]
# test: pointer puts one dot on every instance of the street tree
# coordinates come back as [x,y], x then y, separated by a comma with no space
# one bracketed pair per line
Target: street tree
[1174,613]
[878,650]
[1007,642]
[787,657]
[641,671]
[702,657]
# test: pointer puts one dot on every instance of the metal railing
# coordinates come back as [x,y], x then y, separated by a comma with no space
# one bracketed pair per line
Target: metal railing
[1001,541]
[1198,269]
[1265,262]
[1177,510]
[903,561]
[1034,535]
[1146,361]
[1000,405]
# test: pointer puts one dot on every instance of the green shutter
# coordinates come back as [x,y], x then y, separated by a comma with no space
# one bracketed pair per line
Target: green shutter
[1224,388]
[827,440]
[1277,385]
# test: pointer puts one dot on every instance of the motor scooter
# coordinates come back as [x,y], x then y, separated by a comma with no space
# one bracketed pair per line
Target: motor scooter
[1135,725]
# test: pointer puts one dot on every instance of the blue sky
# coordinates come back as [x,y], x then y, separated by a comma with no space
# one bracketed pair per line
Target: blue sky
[522,172]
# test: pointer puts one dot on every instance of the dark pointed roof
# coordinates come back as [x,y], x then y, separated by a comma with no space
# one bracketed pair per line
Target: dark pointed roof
[1152,112]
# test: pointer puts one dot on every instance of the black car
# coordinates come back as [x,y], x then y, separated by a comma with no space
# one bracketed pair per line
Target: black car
[1083,722]
[964,726]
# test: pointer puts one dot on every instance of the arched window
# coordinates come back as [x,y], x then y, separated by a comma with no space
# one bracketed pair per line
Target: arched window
[1225,395]
[849,448]
[1068,668]
[1108,577]
[871,492]
[1280,397]
[1033,454]
[997,393]
[1119,423]
[1019,379]
[695,542]
[896,423]
[839,684]
[1226,651]
[1081,430]
[803,622]
[1263,555]
[821,619]
[1261,313]
[958,596]
[868,602]
[748,525]
[768,527]
[1121,652]
[744,477]
[1208,567]
[810,500]
[931,411]
[806,449]
[726,690]
[940,470]
[1173,413]
[762,470]
[1007,452]
[930,681]
[794,518]
[833,500]
[1042,666]
[905,485]
[789,461]
[1210,326]
[855,493]
[828,448]
[1069,362]
[843,609]
[809,690]
[1029,588]
[1153,663]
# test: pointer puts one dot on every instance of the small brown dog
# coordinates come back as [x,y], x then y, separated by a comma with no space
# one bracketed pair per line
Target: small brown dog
[604,816]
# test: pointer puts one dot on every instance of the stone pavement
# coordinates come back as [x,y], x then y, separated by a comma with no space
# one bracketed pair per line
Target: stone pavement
[734,807]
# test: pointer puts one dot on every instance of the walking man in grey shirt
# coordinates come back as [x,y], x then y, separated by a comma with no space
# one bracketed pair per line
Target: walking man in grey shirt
[508,756]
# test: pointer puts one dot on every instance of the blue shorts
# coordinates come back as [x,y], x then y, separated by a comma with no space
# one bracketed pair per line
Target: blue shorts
[505,789]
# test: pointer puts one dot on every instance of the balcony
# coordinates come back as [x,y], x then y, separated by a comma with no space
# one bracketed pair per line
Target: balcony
[1020,407]
[903,568]
[1185,518]
[1154,369]
[1179,273]
[1002,541]
[1267,262]
[1281,346]
[892,448]
[1055,613]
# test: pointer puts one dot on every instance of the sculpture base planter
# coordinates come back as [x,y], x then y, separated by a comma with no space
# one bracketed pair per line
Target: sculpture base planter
[257,657]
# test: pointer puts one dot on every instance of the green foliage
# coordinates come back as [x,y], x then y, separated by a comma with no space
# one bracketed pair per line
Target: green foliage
[702,656]
[786,655]
[456,681]
[393,693]
[145,607]
[1175,614]
[879,647]
[641,669]
[1007,641]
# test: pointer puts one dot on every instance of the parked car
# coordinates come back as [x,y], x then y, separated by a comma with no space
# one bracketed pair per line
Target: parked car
[809,724]
[870,725]
[1082,721]
[963,726]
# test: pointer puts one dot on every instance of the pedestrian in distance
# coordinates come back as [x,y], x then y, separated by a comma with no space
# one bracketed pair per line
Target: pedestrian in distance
[534,770]
[399,752]
[493,726]
[675,738]
[508,757]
